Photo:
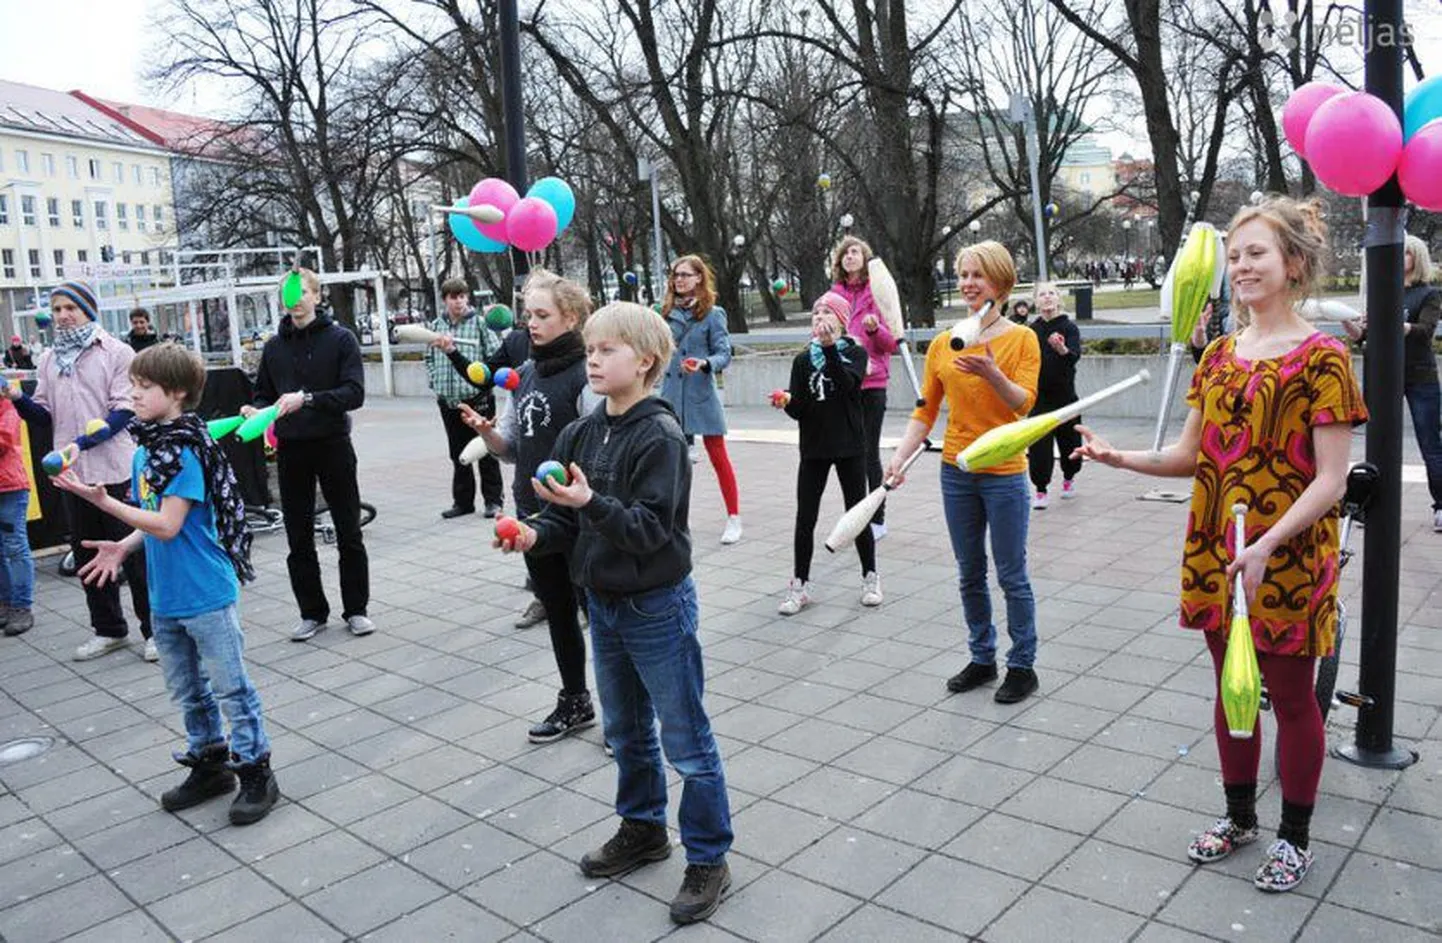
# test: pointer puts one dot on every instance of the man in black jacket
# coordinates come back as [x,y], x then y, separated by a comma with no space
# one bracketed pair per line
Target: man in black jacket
[312,371]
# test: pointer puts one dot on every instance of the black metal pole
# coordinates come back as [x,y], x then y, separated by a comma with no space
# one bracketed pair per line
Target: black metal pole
[512,115]
[1386,218]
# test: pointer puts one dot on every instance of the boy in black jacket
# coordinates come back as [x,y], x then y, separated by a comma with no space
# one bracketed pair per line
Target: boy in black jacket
[623,519]
[1060,341]
[312,370]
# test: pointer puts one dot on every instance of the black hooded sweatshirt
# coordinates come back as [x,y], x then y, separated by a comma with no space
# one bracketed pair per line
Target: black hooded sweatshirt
[323,359]
[633,537]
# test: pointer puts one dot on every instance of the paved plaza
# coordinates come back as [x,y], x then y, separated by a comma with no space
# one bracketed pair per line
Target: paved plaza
[869,805]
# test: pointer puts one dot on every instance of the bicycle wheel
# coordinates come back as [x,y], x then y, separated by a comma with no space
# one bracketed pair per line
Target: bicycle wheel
[1327,667]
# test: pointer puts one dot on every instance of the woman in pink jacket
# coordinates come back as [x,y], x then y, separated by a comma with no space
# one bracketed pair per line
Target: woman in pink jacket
[853,282]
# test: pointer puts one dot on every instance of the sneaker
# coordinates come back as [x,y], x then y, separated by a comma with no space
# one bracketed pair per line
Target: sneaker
[456,511]
[573,712]
[209,777]
[878,531]
[972,676]
[99,645]
[798,597]
[19,622]
[701,891]
[151,653]
[695,454]
[307,629]
[1068,490]
[1282,869]
[535,614]
[1437,521]
[1019,683]
[871,589]
[1220,840]
[359,625]
[1039,502]
[634,844]
[493,510]
[732,533]
[259,792]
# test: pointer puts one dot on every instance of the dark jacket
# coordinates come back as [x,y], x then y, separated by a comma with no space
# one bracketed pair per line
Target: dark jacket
[323,359]
[826,402]
[1056,384]
[1421,306]
[139,342]
[515,350]
[633,536]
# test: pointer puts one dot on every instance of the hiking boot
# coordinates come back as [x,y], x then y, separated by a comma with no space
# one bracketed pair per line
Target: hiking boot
[1019,683]
[871,589]
[634,844]
[99,645]
[1282,869]
[209,777]
[798,597]
[19,622]
[258,792]
[972,676]
[1220,840]
[701,891]
[306,629]
[535,614]
[573,712]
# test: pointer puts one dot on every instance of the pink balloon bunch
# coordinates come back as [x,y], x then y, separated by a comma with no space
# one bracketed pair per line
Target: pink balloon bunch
[529,223]
[1420,169]
[1353,140]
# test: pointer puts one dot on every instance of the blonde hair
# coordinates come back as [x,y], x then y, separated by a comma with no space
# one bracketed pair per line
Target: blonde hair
[1040,287]
[996,266]
[839,274]
[637,327]
[571,299]
[705,293]
[1302,238]
[1421,260]
[309,278]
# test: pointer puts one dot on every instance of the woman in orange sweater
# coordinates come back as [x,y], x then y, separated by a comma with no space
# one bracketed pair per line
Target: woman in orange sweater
[987,384]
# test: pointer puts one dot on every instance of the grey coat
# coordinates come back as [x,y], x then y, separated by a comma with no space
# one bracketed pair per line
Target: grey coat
[694,395]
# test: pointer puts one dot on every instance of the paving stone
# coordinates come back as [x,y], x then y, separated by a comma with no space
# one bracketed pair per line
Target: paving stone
[285,826]
[1222,906]
[872,923]
[1330,922]
[773,832]
[1063,805]
[318,863]
[1390,888]
[930,892]
[215,905]
[818,740]
[1120,877]
[468,854]
[358,798]
[374,897]
[973,781]
[40,872]
[62,912]
[1403,836]
[1013,846]
[133,927]
[174,870]
[835,793]
[531,888]
[1048,914]
[781,906]
[855,862]
[134,839]
[290,921]
[610,912]
[451,918]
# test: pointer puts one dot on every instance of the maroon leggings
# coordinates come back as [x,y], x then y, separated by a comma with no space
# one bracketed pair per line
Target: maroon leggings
[1301,740]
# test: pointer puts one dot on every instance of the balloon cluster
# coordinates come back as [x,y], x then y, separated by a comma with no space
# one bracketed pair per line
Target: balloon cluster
[528,223]
[1051,210]
[780,288]
[1354,141]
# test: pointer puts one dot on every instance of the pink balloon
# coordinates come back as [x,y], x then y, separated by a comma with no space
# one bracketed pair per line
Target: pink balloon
[1301,105]
[531,224]
[1420,169]
[502,196]
[1353,143]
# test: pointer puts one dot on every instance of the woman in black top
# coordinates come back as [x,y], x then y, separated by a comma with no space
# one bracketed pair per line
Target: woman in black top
[1056,387]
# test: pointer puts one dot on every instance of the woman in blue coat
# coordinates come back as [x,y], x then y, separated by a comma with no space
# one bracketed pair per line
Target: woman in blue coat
[703,349]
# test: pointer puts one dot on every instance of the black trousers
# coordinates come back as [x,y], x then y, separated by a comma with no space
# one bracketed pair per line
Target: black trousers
[873,412]
[1066,439]
[87,522]
[811,477]
[551,582]
[300,465]
[463,480]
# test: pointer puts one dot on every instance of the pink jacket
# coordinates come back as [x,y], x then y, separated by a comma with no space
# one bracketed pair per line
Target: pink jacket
[12,465]
[880,344]
[99,383]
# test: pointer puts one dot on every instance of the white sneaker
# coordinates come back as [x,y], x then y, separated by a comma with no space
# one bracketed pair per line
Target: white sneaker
[1068,489]
[360,625]
[878,531]
[1437,521]
[871,588]
[306,630]
[798,597]
[695,455]
[1039,501]
[152,654]
[732,533]
[99,645]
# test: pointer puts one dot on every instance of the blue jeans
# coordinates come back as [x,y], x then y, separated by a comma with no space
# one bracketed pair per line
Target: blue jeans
[1425,402]
[1000,503]
[648,668]
[17,569]
[202,657]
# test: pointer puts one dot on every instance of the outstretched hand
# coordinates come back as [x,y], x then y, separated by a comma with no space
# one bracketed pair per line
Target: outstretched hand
[475,420]
[982,365]
[1096,448]
[69,481]
[104,567]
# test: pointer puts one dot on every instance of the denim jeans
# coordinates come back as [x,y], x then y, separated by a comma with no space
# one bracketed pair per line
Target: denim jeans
[202,657]
[1425,402]
[975,504]
[17,569]
[648,668]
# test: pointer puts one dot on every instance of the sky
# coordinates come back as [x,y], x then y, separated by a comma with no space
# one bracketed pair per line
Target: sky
[107,41]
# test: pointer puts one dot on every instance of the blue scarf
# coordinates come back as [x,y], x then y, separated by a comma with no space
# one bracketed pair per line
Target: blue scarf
[70,344]
[818,353]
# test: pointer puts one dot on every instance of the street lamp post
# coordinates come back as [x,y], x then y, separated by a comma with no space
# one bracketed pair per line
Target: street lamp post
[1126,240]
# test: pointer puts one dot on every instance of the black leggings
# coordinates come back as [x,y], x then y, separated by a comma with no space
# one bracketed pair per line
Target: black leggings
[810,485]
[873,411]
[1039,455]
[551,579]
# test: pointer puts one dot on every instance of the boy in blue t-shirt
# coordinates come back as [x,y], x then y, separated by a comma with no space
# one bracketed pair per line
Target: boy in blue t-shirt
[191,520]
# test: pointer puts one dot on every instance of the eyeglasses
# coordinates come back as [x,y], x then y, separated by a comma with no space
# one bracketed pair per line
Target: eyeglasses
[676,276]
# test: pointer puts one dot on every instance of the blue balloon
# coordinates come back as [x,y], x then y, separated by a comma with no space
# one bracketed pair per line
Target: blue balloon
[468,235]
[1422,104]
[556,192]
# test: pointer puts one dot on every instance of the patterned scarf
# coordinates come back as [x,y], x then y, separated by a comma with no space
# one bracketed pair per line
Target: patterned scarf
[69,344]
[818,353]
[163,442]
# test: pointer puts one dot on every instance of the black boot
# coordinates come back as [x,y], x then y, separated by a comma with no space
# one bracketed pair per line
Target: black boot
[209,777]
[258,792]
[573,712]
[634,844]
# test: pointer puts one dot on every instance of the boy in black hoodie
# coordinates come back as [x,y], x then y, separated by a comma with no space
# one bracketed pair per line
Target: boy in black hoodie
[312,370]
[623,520]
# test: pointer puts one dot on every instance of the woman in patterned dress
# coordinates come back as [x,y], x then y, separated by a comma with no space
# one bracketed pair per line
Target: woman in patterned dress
[1272,407]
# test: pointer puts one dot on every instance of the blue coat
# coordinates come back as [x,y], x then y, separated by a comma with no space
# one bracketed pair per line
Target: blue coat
[694,395]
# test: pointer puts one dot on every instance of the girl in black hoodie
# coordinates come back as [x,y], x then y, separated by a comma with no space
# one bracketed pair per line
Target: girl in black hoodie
[825,400]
